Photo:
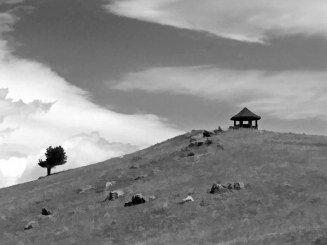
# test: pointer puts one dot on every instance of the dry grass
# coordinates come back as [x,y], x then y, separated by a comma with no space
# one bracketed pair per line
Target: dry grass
[284,201]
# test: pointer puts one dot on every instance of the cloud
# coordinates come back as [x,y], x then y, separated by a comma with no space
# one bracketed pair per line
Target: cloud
[89,148]
[246,20]
[11,1]
[39,108]
[286,95]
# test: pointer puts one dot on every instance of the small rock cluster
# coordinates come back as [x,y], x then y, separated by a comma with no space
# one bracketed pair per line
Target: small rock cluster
[136,200]
[113,195]
[46,212]
[218,188]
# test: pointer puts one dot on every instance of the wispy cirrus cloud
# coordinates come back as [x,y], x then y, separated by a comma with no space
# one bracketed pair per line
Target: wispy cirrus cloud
[246,20]
[289,95]
[39,108]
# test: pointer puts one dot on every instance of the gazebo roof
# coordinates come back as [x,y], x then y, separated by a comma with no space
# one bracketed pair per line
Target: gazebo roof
[245,114]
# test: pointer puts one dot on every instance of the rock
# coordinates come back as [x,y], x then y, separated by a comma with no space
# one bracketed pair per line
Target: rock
[208,142]
[140,177]
[239,185]
[187,199]
[198,144]
[152,197]
[31,225]
[113,195]
[110,183]
[190,154]
[217,188]
[45,212]
[134,167]
[136,200]
[207,134]
[228,186]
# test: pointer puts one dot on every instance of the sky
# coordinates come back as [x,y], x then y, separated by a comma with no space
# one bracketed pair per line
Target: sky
[105,78]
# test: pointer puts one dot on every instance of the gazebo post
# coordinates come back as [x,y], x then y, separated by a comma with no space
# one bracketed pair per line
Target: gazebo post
[256,123]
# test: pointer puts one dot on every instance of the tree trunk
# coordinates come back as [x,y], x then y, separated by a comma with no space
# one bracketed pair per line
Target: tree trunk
[49,171]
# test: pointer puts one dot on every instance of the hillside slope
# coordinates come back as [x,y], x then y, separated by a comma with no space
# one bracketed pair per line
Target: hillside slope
[284,200]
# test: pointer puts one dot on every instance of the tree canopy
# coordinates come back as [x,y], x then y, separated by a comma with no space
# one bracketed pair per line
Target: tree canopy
[54,157]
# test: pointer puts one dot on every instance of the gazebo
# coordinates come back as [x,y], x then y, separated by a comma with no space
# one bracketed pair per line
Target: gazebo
[245,119]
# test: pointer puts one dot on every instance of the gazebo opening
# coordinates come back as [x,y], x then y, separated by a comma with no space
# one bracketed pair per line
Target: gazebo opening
[246,119]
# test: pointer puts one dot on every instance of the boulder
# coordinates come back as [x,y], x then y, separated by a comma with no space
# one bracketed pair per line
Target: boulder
[31,225]
[217,188]
[190,154]
[152,197]
[45,212]
[140,177]
[136,200]
[239,185]
[110,183]
[187,199]
[228,186]
[207,134]
[113,195]
[208,142]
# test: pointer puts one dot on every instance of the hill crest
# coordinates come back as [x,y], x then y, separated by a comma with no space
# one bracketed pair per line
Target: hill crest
[284,201]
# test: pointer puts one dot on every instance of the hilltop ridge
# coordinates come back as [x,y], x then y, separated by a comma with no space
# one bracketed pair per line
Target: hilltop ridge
[284,201]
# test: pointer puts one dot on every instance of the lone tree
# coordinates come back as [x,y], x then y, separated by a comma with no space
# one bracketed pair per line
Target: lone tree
[54,157]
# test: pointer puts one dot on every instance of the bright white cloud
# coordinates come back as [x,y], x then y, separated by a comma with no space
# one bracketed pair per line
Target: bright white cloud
[286,95]
[243,20]
[39,108]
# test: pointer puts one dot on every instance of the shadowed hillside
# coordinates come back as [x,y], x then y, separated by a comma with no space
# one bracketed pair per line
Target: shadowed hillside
[284,200]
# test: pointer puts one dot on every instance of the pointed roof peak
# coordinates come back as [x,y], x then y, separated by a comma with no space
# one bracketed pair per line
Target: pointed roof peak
[246,114]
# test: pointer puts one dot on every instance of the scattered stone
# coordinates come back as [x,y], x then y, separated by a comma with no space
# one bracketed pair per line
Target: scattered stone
[190,154]
[228,186]
[187,199]
[217,188]
[136,200]
[113,195]
[45,212]
[207,134]
[134,167]
[239,185]
[86,188]
[140,177]
[152,197]
[31,225]
[109,184]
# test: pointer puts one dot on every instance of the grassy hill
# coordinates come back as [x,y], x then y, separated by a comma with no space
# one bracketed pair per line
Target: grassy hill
[284,201]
